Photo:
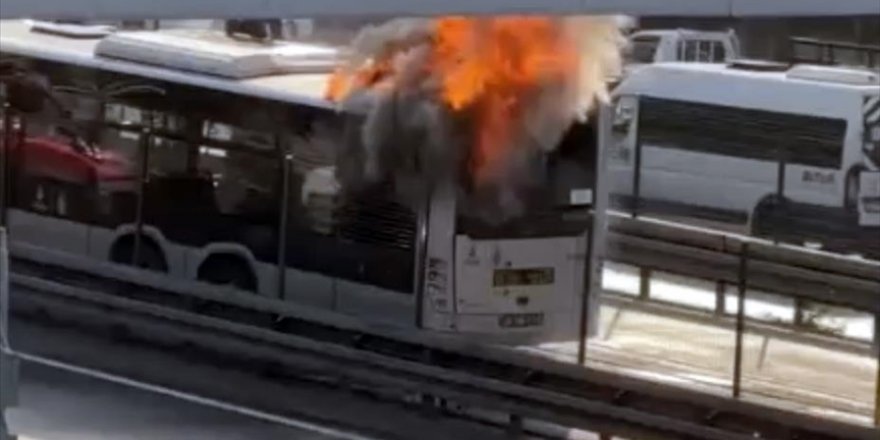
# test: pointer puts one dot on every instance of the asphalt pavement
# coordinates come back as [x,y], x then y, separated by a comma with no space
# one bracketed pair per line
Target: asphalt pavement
[60,405]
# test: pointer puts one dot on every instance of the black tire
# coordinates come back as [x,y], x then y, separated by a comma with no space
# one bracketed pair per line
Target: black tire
[762,219]
[150,258]
[228,270]
[851,189]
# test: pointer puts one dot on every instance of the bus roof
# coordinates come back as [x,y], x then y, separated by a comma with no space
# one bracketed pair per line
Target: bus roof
[839,78]
[817,90]
[17,38]
[680,32]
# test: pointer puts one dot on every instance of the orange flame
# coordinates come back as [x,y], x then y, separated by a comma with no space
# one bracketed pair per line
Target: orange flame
[342,83]
[486,68]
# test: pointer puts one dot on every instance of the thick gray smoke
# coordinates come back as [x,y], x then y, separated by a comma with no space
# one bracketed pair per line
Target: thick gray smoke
[408,134]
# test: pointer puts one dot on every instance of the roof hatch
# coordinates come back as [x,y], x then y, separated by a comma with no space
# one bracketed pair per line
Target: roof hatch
[212,52]
[72,30]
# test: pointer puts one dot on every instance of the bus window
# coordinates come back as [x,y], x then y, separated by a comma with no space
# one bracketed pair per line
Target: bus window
[314,192]
[245,180]
[704,51]
[121,128]
[745,133]
[643,49]
[203,190]
[253,139]
[554,206]
[311,203]
[689,51]
[64,168]
[719,53]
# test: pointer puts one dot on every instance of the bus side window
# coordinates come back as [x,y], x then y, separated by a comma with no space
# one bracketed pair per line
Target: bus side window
[313,198]
[243,169]
[705,51]
[690,50]
[315,193]
[121,131]
[62,166]
[745,133]
[719,54]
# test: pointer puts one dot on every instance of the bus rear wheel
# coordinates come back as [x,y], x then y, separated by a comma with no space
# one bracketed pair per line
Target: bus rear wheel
[228,270]
[771,218]
[851,188]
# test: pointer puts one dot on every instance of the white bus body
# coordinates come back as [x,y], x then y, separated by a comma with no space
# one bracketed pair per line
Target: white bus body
[730,143]
[518,289]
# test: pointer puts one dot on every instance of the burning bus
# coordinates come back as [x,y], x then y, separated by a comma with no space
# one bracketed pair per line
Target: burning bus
[437,172]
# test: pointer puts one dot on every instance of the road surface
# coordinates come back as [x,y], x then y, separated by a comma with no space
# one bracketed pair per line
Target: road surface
[60,405]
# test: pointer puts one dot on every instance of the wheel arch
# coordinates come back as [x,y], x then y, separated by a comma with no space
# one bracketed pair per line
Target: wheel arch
[235,252]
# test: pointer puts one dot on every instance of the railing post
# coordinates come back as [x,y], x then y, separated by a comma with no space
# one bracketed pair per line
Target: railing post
[877,396]
[877,383]
[8,141]
[720,303]
[145,145]
[637,173]
[515,427]
[595,250]
[740,320]
[283,218]
[799,312]
[8,365]
[644,283]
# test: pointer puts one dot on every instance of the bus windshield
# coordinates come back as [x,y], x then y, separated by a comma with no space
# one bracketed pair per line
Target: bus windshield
[558,206]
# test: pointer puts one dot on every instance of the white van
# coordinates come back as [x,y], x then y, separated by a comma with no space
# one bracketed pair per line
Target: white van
[788,150]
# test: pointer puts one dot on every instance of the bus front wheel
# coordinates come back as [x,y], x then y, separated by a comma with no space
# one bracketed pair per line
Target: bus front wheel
[149,257]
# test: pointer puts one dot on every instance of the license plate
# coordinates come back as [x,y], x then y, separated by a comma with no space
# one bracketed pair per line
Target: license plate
[521,320]
[522,277]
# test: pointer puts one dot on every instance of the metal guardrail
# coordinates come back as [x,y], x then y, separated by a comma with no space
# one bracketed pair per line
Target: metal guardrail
[498,378]
[826,274]
[561,404]
[750,263]
[717,256]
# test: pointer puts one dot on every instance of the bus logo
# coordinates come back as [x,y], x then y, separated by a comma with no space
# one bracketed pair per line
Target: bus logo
[472,259]
[818,177]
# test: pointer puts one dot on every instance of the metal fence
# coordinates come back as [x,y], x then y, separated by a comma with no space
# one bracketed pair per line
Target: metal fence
[746,266]
[803,275]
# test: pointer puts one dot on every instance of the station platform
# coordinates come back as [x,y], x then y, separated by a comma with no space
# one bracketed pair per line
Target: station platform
[817,380]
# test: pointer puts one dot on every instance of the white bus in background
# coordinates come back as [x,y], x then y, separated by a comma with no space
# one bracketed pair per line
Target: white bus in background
[170,149]
[791,153]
